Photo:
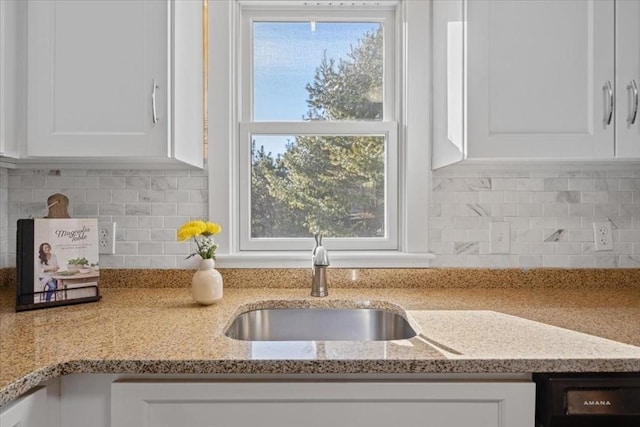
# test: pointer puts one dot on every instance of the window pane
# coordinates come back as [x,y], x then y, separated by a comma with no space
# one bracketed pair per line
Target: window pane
[317,71]
[303,184]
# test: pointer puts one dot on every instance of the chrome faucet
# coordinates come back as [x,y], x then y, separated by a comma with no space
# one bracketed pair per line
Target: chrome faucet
[319,264]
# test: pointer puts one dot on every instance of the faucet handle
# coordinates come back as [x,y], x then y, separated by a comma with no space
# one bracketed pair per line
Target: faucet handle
[319,254]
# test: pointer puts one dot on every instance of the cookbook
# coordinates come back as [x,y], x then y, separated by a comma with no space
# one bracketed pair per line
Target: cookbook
[57,262]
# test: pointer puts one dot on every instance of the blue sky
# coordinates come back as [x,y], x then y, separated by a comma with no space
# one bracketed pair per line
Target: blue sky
[286,55]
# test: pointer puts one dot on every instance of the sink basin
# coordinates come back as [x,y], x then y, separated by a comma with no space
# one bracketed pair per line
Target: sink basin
[319,324]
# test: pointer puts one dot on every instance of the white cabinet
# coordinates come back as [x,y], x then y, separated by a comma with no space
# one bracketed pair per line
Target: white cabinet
[30,410]
[117,80]
[627,79]
[315,404]
[535,74]
[523,79]
[12,24]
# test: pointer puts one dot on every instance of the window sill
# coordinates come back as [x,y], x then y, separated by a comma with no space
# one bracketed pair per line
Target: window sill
[338,259]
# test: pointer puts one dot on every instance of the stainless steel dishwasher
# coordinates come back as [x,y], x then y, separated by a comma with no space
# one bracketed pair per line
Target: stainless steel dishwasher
[587,399]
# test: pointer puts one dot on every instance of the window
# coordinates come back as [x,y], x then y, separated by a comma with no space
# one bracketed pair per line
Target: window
[314,133]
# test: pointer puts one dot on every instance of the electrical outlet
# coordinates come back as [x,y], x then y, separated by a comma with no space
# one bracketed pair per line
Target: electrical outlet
[500,242]
[107,238]
[602,236]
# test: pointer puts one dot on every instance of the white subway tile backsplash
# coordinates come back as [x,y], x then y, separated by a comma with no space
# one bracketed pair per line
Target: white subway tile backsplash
[594,197]
[177,196]
[33,181]
[164,209]
[20,195]
[550,213]
[581,209]
[111,261]
[124,222]
[151,222]
[606,210]
[176,248]
[192,183]
[137,182]
[629,184]
[137,261]
[126,248]
[137,235]
[138,209]
[629,261]
[124,196]
[164,261]
[54,181]
[164,183]
[151,248]
[112,182]
[163,235]
[175,222]
[198,196]
[98,196]
[504,184]
[555,184]
[86,182]
[85,209]
[153,196]
[111,209]
[192,209]
[605,184]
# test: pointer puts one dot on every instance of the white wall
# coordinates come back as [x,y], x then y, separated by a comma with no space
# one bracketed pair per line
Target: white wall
[550,210]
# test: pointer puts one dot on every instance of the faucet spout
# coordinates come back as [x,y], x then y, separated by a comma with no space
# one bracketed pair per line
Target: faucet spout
[319,264]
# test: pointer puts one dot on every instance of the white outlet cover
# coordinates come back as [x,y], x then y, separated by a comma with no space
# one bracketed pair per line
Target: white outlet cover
[107,238]
[603,236]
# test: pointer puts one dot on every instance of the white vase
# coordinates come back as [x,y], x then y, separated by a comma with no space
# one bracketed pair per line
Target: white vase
[206,285]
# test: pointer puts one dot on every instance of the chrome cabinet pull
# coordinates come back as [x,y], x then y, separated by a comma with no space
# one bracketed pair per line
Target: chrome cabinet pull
[608,91]
[154,115]
[631,119]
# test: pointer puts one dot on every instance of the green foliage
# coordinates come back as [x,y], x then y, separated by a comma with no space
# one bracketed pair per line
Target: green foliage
[331,184]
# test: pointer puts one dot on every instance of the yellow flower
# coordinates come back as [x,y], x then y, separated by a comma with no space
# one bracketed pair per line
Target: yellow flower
[191,229]
[201,232]
[211,228]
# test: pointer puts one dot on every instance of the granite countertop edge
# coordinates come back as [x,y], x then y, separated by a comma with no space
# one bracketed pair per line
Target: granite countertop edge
[333,367]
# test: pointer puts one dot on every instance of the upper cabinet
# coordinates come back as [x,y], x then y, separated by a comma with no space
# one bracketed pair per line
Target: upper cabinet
[12,24]
[526,79]
[115,81]
[627,78]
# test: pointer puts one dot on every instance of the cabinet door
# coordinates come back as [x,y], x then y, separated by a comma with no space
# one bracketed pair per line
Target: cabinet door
[27,411]
[536,72]
[294,404]
[11,82]
[94,67]
[627,79]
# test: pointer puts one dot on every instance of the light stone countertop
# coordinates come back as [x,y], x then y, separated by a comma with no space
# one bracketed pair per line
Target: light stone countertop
[461,331]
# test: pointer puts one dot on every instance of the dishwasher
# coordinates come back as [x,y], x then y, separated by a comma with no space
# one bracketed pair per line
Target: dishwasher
[587,399]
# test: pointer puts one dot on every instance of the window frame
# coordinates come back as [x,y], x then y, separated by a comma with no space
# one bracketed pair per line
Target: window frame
[408,140]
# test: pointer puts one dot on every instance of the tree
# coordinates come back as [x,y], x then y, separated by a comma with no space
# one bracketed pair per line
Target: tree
[331,184]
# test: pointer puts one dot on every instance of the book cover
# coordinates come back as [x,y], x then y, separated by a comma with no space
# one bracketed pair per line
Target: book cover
[59,261]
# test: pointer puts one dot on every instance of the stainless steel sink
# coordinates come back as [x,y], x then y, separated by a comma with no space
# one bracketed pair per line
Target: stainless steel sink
[319,324]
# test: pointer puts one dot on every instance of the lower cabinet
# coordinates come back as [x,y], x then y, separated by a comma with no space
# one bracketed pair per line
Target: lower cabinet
[321,404]
[30,410]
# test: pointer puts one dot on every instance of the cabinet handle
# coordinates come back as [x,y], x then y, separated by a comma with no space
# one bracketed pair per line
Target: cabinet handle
[608,92]
[154,115]
[634,111]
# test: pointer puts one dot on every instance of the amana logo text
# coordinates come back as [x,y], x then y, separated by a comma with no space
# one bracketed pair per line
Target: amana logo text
[597,403]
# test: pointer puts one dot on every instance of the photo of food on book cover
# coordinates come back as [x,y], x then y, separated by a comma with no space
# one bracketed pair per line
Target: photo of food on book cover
[65,259]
